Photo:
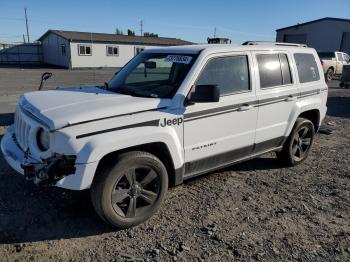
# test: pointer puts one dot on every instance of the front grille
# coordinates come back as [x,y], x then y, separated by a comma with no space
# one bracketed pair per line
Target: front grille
[22,129]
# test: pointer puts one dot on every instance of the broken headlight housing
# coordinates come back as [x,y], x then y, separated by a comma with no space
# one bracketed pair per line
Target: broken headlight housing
[43,139]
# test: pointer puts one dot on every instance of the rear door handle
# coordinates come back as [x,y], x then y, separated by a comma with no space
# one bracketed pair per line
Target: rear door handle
[290,98]
[245,108]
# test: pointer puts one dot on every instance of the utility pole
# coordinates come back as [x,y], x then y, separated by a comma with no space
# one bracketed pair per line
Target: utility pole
[24,39]
[25,13]
[141,27]
[214,32]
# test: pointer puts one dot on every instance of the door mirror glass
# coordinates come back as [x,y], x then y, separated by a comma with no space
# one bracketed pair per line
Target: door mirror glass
[150,65]
[204,94]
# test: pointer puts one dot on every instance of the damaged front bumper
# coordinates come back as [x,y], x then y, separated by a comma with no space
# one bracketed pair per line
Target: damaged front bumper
[59,170]
[44,171]
[49,171]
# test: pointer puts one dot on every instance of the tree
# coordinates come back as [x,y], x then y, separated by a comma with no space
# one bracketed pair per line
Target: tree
[131,32]
[119,32]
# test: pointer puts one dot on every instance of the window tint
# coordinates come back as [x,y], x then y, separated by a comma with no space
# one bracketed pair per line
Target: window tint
[286,73]
[269,70]
[307,67]
[230,74]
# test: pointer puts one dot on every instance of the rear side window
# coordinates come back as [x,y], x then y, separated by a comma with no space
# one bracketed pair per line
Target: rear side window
[307,68]
[230,74]
[274,70]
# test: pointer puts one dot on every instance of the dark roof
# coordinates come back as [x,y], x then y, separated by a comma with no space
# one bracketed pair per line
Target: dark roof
[114,38]
[316,21]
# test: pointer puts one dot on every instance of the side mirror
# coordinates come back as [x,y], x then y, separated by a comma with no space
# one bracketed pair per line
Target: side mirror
[150,65]
[204,94]
[44,77]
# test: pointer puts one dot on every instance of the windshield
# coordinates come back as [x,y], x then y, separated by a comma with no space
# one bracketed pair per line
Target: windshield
[152,75]
[326,55]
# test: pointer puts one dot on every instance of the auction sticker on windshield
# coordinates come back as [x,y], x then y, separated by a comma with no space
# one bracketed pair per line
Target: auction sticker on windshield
[182,59]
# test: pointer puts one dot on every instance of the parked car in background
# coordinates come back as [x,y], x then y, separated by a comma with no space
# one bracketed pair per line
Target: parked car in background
[333,62]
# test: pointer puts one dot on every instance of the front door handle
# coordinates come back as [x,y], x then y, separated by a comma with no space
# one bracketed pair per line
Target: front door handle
[290,98]
[245,107]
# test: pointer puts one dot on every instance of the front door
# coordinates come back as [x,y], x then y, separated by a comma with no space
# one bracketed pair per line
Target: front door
[216,134]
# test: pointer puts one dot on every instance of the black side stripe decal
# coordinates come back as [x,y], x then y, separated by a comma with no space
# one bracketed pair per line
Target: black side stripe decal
[148,123]
[207,113]
[232,108]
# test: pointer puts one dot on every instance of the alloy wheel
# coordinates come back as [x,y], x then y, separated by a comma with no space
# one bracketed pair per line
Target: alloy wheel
[301,143]
[135,192]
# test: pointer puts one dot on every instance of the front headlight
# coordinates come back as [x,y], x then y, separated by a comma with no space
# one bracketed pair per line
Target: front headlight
[43,139]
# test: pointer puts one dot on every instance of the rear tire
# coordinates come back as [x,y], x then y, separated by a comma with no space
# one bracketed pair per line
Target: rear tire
[297,147]
[130,191]
[329,74]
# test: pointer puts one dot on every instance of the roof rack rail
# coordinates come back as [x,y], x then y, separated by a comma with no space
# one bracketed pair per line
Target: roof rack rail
[272,43]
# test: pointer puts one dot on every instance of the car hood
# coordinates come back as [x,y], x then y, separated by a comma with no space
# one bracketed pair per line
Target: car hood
[67,106]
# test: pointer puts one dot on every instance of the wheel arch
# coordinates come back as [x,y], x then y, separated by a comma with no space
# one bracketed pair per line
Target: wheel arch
[158,149]
[313,115]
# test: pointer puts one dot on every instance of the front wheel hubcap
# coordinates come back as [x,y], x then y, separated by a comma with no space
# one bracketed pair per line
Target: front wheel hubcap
[135,192]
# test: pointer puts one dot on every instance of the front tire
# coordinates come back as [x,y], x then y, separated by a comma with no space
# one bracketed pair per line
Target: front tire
[297,147]
[130,191]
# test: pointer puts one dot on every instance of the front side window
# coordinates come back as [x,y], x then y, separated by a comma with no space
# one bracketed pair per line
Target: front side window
[229,74]
[85,49]
[307,68]
[112,50]
[152,75]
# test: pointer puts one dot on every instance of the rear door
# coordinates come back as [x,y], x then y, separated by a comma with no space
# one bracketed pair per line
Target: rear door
[216,134]
[277,95]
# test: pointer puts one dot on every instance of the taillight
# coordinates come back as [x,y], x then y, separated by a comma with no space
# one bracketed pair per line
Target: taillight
[321,62]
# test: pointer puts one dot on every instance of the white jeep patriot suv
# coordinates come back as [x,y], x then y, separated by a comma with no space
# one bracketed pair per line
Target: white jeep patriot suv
[170,114]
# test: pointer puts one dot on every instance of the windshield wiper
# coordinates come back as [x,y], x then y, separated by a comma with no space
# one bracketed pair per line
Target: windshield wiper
[126,91]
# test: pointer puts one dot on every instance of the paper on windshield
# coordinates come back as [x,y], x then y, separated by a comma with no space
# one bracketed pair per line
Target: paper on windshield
[182,59]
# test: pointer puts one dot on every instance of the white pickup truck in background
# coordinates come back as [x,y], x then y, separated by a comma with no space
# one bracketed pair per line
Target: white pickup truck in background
[333,62]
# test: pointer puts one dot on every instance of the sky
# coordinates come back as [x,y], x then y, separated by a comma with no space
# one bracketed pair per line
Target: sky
[192,20]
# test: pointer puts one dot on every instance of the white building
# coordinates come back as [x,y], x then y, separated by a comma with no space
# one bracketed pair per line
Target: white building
[81,49]
[326,34]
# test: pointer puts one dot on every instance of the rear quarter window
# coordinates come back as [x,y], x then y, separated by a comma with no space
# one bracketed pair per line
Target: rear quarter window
[307,68]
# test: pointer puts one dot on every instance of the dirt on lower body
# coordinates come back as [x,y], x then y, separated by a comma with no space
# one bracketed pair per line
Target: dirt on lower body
[257,210]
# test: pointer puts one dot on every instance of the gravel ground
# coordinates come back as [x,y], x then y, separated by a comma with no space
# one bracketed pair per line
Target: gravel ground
[257,210]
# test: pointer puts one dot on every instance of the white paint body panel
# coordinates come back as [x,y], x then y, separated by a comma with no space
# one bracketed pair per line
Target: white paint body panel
[102,117]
